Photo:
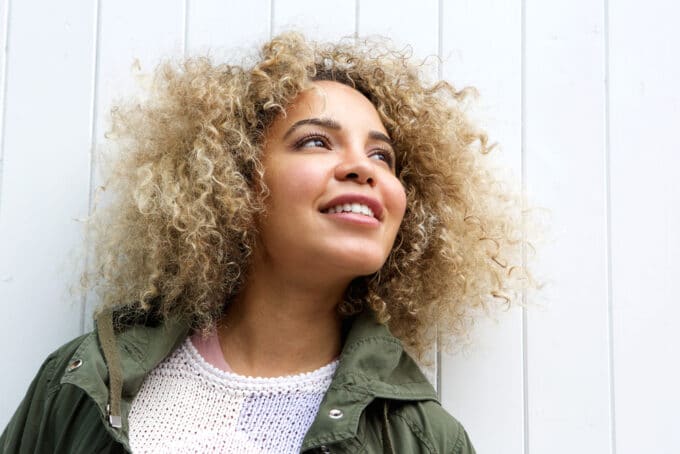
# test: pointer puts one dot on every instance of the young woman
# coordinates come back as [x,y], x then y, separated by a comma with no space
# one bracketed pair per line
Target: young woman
[280,233]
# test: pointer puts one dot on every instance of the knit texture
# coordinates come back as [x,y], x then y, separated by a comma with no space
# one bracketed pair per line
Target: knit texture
[187,405]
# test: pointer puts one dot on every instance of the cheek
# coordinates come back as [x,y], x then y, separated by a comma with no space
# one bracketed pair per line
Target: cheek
[397,197]
[294,182]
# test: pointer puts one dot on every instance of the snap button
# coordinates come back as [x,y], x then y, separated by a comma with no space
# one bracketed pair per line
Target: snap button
[324,449]
[74,365]
[335,413]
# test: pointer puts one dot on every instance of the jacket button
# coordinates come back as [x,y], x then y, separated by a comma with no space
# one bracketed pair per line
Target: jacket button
[335,413]
[74,365]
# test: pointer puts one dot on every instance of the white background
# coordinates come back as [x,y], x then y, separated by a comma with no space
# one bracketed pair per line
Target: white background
[583,97]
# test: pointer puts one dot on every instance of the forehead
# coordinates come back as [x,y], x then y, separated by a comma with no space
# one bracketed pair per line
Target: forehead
[333,100]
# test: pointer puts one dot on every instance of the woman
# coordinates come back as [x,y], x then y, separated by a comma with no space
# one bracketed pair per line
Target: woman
[279,232]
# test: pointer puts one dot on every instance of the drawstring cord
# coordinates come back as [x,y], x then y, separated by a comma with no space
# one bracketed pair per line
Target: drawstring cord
[107,340]
[387,439]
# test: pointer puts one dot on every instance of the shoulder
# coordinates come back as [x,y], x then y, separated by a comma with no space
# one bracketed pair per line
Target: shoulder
[57,362]
[432,425]
[48,378]
[30,427]
[49,375]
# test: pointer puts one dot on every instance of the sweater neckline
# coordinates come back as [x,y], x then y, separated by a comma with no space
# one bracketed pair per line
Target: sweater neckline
[321,375]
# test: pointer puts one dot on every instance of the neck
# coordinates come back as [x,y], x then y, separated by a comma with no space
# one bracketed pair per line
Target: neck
[281,326]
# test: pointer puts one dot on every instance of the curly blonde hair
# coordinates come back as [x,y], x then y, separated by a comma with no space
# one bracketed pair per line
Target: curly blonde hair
[179,234]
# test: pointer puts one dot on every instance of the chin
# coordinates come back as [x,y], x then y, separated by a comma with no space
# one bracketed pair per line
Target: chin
[364,266]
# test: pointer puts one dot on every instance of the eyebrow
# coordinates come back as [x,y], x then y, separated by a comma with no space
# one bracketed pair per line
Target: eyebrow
[332,124]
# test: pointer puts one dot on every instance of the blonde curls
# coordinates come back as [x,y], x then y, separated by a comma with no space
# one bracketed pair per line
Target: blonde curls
[178,236]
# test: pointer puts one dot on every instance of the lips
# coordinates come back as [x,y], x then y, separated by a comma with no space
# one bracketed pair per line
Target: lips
[354,203]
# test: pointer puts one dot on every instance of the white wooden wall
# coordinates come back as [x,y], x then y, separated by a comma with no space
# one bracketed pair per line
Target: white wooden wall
[584,98]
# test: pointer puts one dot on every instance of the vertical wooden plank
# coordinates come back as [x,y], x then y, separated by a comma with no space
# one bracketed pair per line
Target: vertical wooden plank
[483,385]
[482,47]
[227,31]
[321,21]
[44,184]
[133,38]
[645,223]
[378,17]
[568,343]
[4,32]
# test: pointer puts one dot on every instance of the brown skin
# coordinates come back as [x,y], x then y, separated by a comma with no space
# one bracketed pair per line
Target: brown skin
[285,320]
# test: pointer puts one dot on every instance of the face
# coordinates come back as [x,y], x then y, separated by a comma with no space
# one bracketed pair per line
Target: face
[335,204]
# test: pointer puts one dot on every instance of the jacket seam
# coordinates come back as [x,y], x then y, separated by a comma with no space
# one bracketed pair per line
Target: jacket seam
[351,442]
[369,378]
[371,339]
[359,389]
[133,350]
[459,440]
[417,432]
[373,393]
[51,374]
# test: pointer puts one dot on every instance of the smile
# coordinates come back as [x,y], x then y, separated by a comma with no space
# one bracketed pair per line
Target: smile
[358,208]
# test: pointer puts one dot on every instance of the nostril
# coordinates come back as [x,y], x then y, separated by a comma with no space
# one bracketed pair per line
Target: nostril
[352,175]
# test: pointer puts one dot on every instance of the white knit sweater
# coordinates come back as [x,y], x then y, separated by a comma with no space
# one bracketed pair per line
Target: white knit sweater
[187,405]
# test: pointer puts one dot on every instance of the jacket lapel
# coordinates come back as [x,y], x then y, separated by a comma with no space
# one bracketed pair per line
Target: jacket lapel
[373,364]
[140,348]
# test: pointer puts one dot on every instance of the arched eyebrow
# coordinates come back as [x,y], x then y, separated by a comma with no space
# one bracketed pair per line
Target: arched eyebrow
[332,124]
[377,135]
[323,122]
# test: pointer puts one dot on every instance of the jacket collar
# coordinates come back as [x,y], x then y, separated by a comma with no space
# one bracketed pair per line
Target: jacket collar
[373,364]
[139,348]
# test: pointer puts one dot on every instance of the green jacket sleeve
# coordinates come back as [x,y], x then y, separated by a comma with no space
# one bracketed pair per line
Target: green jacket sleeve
[463,444]
[43,421]
[23,433]
[428,425]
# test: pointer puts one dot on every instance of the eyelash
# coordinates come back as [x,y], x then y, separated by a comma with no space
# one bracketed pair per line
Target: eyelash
[388,156]
[315,135]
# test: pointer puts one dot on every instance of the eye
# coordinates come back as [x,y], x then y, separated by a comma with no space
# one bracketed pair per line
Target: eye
[383,155]
[315,140]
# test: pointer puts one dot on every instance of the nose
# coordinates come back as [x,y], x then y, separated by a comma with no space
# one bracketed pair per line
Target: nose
[357,167]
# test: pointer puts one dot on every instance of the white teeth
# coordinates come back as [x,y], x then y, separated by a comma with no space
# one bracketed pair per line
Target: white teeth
[358,208]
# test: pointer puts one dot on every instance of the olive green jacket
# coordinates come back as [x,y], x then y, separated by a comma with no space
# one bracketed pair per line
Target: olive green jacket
[378,402]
